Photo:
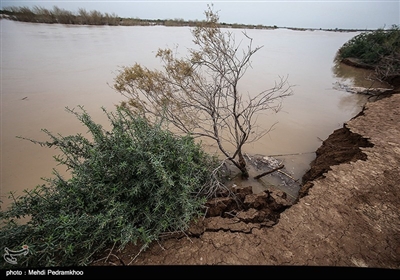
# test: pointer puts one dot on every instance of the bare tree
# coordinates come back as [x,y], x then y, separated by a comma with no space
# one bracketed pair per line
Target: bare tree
[388,67]
[199,95]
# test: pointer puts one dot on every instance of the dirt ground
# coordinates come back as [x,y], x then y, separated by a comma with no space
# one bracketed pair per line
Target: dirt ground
[347,214]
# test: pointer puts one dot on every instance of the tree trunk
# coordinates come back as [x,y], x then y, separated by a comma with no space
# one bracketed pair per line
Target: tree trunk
[242,166]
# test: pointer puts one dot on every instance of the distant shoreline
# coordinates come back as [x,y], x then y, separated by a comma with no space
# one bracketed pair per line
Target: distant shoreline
[96,18]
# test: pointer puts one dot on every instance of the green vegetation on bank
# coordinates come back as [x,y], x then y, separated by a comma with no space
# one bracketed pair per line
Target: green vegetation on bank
[379,50]
[132,183]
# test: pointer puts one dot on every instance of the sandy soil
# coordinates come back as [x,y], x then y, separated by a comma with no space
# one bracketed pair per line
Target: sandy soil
[347,214]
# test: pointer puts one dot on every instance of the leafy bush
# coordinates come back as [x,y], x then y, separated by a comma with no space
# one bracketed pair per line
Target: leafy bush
[129,184]
[379,49]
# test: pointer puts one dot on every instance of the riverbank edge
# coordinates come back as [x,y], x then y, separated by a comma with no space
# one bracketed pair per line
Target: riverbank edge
[349,218]
[343,145]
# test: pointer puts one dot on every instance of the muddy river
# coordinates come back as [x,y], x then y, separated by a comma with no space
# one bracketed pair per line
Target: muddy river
[47,67]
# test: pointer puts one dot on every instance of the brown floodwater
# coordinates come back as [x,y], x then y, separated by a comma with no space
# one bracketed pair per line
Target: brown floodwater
[48,67]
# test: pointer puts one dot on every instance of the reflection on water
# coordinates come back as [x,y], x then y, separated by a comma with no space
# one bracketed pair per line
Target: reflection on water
[46,68]
[352,103]
[357,76]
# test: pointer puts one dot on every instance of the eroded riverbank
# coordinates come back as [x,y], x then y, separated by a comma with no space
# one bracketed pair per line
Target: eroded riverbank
[349,218]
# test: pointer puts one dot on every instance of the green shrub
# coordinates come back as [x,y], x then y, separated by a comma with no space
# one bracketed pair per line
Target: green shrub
[370,46]
[129,184]
[379,49]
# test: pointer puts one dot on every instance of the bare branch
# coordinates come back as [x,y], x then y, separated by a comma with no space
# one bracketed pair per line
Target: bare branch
[269,172]
[199,94]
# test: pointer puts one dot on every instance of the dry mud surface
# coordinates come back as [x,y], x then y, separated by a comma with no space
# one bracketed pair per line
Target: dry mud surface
[347,216]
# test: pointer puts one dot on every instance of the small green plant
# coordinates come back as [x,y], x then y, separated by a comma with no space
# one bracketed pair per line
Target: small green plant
[129,184]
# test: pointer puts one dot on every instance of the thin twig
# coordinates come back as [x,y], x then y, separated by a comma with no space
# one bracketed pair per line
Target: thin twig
[294,154]
[141,249]
[187,236]
[159,244]
[205,213]
[229,213]
[120,260]
[110,252]
[284,173]
[269,172]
